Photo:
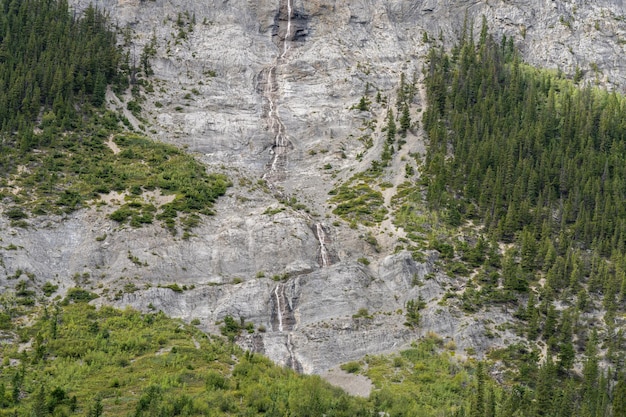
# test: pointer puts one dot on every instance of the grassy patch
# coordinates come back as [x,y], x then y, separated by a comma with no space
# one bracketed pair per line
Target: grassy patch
[359,202]
[129,363]
[68,173]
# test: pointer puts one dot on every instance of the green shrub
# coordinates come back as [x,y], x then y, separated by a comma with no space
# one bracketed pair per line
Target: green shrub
[362,313]
[351,367]
[231,328]
[215,381]
[79,295]
[15,213]
[174,287]
[48,288]
[5,322]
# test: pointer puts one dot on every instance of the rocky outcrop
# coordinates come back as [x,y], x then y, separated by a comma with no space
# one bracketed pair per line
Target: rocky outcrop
[230,77]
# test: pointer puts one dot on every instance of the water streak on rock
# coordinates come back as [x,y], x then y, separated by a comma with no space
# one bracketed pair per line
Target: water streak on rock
[279,309]
[281,144]
[323,239]
[288,33]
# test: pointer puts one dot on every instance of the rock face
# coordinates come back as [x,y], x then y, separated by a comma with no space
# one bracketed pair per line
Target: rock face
[264,90]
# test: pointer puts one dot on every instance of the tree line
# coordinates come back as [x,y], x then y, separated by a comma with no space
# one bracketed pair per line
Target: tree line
[539,163]
[51,61]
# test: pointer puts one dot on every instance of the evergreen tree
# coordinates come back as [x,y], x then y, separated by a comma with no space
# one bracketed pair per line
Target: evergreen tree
[363,105]
[619,396]
[391,127]
[96,409]
[478,402]
[39,406]
[545,389]
[405,120]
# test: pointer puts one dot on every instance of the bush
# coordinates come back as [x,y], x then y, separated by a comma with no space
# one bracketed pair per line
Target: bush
[231,328]
[15,213]
[215,381]
[48,289]
[79,295]
[5,322]
[174,287]
[363,312]
[351,367]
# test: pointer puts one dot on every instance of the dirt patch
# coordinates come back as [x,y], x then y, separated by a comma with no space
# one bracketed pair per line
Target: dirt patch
[115,104]
[163,351]
[112,145]
[113,197]
[353,384]
[155,197]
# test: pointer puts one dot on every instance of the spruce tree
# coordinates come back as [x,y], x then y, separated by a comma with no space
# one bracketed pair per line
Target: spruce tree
[391,127]
[478,401]
[405,120]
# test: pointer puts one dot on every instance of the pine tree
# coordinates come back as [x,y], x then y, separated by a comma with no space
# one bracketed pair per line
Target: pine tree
[478,401]
[545,389]
[391,127]
[619,395]
[590,388]
[363,105]
[490,409]
[39,406]
[405,120]
[96,409]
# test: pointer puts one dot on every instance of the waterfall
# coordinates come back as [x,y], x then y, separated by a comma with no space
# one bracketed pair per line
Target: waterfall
[288,33]
[321,237]
[269,87]
[292,362]
[279,310]
[281,143]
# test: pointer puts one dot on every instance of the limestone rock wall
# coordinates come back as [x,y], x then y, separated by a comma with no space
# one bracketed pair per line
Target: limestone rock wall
[211,94]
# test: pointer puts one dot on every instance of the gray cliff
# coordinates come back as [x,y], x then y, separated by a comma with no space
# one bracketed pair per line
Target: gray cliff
[274,83]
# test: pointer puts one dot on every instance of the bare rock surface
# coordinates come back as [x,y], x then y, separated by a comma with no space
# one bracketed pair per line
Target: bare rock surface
[265,91]
[353,384]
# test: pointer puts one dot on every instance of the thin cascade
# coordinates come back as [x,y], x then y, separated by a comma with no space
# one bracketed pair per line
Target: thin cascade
[288,32]
[323,240]
[269,86]
[279,312]
[281,143]
[293,361]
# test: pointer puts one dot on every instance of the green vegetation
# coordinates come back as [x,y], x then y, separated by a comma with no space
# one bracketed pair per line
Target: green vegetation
[53,62]
[521,192]
[362,313]
[128,363]
[538,162]
[54,131]
[357,201]
[143,165]
[413,308]
[82,359]
[351,367]
[423,381]
[531,151]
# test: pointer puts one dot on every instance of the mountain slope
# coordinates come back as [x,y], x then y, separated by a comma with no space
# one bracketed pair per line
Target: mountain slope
[269,94]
